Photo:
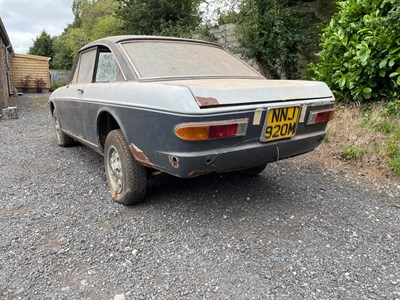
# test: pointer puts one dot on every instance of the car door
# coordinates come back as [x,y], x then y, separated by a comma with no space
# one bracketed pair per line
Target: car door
[74,110]
[101,93]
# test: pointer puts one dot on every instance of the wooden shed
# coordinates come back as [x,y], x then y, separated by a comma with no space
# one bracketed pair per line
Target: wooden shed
[30,73]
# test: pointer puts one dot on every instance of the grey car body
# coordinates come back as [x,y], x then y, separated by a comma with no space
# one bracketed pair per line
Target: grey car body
[137,84]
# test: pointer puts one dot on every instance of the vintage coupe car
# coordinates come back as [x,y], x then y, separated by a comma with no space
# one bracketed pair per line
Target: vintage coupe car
[183,107]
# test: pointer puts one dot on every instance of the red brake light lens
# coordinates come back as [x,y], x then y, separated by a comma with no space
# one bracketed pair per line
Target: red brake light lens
[221,131]
[324,116]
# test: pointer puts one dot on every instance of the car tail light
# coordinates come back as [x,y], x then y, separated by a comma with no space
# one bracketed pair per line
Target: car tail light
[211,130]
[320,116]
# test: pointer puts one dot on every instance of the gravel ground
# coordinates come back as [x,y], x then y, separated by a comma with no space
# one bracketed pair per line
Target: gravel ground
[298,231]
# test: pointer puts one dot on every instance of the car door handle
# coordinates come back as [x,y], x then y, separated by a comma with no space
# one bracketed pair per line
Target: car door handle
[80,91]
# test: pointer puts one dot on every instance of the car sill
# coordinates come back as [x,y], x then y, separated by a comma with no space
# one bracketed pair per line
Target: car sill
[83,141]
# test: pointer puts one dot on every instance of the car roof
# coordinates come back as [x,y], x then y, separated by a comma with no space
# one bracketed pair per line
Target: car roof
[123,38]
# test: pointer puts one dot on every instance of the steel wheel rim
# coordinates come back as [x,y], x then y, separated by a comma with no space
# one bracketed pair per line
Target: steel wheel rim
[58,128]
[114,169]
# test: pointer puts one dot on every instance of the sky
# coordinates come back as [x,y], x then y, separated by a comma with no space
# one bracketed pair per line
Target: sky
[24,20]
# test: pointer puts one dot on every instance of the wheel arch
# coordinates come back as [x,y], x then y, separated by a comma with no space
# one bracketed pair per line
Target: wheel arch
[52,107]
[106,122]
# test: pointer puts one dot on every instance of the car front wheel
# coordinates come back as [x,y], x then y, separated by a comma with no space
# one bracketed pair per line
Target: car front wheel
[127,179]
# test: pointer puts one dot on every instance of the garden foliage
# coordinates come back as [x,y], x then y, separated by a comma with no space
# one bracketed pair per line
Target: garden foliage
[360,56]
[268,32]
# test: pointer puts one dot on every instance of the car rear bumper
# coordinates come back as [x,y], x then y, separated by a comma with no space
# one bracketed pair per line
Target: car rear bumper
[193,164]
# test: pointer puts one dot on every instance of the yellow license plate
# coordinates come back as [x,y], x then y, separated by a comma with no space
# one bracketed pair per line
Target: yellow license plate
[281,123]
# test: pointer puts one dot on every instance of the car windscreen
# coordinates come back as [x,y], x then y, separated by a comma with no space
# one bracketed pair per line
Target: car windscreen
[162,59]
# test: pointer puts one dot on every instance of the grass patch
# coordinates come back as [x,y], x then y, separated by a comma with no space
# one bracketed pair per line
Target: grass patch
[392,108]
[366,137]
[393,149]
[395,162]
[353,152]
[327,135]
[378,119]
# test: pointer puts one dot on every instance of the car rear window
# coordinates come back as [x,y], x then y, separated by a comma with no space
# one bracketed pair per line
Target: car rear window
[160,59]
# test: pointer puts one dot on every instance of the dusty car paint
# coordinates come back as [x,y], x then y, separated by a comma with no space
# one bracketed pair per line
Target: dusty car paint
[148,112]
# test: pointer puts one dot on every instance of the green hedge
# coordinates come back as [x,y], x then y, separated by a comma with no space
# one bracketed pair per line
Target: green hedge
[360,56]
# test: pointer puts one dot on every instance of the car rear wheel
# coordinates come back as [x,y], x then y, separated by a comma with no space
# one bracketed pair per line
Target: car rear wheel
[255,170]
[127,179]
[62,139]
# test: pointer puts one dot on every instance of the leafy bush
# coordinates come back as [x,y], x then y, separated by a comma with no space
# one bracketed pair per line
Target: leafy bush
[360,56]
[56,85]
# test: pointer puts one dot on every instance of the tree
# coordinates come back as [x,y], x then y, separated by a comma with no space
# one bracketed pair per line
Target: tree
[220,11]
[160,17]
[43,46]
[360,56]
[66,47]
[93,20]
[99,18]
[77,11]
[268,32]
[282,36]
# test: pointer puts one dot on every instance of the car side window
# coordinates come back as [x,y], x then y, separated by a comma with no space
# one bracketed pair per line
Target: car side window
[107,67]
[75,77]
[86,66]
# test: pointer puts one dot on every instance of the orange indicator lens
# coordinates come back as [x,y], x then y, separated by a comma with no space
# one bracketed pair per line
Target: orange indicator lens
[193,133]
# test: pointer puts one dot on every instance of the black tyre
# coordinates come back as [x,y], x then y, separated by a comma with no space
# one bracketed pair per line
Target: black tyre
[254,171]
[62,139]
[127,179]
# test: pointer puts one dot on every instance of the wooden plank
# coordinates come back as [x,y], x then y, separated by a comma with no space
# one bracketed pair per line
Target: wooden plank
[23,66]
[22,79]
[29,63]
[27,66]
[31,74]
[32,66]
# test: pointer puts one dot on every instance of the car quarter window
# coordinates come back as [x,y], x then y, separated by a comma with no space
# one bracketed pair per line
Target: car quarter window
[76,71]
[107,67]
[86,66]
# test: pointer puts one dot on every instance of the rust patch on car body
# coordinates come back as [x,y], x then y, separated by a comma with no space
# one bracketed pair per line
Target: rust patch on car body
[206,101]
[174,161]
[140,156]
[198,173]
